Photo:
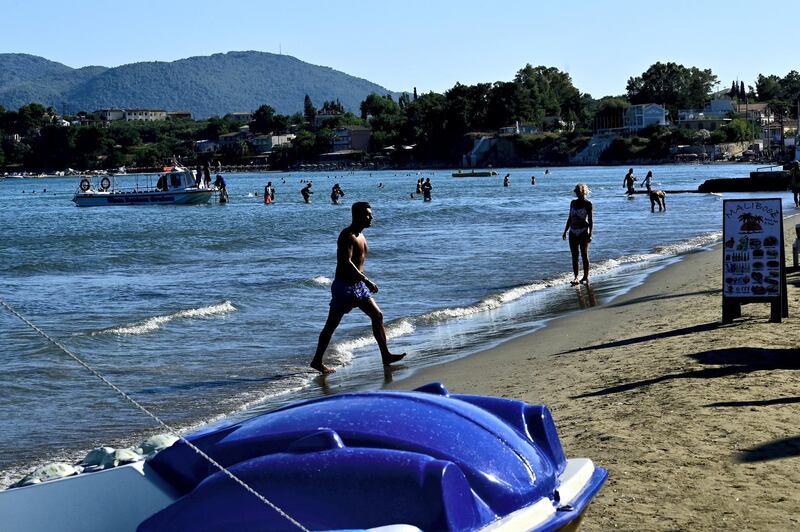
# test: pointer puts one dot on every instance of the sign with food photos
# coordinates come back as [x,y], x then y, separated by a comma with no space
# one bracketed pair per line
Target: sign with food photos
[752,248]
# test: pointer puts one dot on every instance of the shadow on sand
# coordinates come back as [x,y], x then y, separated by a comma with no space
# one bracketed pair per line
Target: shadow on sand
[660,297]
[656,336]
[727,362]
[774,450]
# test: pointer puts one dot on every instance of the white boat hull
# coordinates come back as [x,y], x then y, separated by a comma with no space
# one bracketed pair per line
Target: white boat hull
[178,197]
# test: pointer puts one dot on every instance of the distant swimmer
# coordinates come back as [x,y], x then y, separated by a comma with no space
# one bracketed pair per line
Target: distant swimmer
[579,225]
[426,189]
[306,192]
[628,182]
[533,180]
[351,288]
[505,180]
[546,171]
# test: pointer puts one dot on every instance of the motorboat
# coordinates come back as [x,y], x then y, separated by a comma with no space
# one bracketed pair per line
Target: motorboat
[474,173]
[382,461]
[177,186]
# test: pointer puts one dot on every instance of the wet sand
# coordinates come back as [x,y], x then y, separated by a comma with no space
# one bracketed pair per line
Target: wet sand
[697,422]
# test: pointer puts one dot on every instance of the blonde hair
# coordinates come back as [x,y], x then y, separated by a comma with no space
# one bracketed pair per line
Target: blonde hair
[582,190]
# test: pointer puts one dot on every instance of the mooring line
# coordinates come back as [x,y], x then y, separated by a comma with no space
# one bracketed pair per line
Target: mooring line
[158,420]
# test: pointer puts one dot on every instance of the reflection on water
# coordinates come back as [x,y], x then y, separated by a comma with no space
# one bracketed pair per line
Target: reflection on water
[585,294]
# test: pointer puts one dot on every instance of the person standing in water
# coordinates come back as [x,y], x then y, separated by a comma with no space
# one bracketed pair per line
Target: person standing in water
[426,189]
[579,226]
[533,180]
[629,181]
[351,288]
[648,181]
[336,193]
[794,182]
[222,187]
[505,180]
[269,193]
[306,192]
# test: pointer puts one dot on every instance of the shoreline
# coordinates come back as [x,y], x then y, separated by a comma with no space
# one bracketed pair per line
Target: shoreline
[244,169]
[693,419]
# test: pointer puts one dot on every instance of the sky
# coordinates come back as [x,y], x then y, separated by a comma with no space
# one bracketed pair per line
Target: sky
[430,44]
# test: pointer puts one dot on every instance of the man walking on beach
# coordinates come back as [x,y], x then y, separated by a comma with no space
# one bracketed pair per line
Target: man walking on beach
[351,288]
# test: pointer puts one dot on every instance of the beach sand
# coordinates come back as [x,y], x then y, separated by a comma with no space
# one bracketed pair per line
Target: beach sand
[697,422]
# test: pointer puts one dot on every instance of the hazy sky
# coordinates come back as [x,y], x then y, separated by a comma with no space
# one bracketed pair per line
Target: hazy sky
[429,44]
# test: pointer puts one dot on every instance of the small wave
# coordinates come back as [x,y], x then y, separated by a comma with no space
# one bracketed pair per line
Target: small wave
[156,322]
[342,352]
[322,280]
[692,244]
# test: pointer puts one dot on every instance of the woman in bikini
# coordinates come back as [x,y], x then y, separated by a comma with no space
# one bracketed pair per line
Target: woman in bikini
[579,227]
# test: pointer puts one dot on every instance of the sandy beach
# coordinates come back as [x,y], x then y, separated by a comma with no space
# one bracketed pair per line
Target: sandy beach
[697,422]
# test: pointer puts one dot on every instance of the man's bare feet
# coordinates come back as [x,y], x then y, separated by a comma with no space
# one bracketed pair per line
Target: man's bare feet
[585,280]
[574,282]
[322,368]
[391,359]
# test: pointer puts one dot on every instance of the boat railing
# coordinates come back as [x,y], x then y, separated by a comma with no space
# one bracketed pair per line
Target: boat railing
[770,167]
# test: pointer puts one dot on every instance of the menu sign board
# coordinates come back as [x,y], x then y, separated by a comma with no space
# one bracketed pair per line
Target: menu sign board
[753,248]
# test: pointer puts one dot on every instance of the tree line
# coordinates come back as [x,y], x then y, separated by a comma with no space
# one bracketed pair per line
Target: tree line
[436,127]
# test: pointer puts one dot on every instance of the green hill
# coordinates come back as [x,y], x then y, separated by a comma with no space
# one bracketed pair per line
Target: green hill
[206,85]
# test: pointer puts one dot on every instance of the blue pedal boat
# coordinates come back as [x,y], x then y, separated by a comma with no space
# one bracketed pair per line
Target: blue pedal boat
[383,461]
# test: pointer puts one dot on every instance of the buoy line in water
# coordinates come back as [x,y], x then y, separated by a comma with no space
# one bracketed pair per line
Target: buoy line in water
[153,416]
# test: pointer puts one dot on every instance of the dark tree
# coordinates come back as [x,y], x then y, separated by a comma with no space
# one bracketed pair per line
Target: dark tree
[308,110]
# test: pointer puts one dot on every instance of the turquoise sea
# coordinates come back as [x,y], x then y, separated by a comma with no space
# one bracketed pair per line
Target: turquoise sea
[212,311]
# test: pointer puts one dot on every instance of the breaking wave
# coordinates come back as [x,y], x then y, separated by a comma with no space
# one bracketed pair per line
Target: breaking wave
[156,322]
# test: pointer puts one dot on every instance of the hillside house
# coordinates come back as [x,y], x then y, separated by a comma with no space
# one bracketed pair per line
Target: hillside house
[205,146]
[757,113]
[229,139]
[179,115]
[263,144]
[131,115]
[352,138]
[518,129]
[640,116]
[243,117]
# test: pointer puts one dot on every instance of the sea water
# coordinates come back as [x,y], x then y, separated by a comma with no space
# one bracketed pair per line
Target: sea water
[213,311]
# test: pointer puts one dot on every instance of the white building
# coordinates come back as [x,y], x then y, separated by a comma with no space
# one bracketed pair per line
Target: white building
[145,115]
[205,146]
[131,115]
[640,116]
[265,143]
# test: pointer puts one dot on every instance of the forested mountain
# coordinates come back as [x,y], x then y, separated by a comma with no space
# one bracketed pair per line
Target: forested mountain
[206,85]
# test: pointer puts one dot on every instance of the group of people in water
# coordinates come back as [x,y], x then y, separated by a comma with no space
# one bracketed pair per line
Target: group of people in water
[424,187]
[657,197]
